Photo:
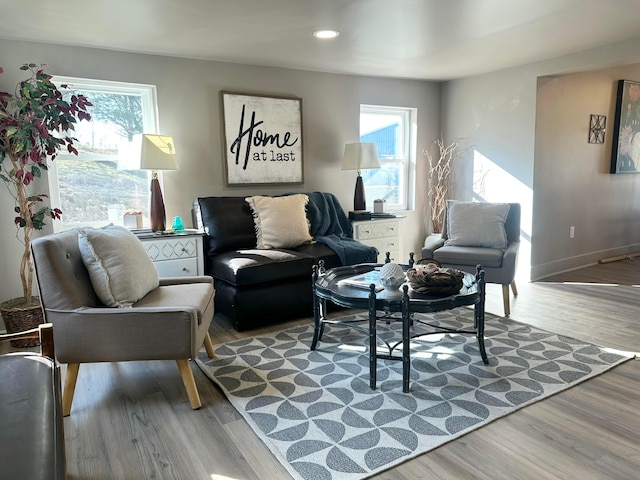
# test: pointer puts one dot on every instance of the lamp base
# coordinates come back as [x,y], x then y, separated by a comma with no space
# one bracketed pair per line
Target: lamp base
[359,201]
[156,210]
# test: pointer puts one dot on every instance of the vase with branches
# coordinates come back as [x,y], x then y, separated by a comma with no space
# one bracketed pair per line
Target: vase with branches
[440,180]
[36,123]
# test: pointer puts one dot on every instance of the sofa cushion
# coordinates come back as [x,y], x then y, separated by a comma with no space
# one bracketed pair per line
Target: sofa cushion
[477,224]
[320,251]
[280,222]
[451,255]
[250,267]
[120,270]
[227,222]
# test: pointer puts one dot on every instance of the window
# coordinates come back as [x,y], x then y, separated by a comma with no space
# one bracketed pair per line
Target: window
[100,184]
[392,129]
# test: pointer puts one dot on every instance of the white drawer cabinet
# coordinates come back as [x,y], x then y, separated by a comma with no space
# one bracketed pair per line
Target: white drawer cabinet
[175,255]
[385,235]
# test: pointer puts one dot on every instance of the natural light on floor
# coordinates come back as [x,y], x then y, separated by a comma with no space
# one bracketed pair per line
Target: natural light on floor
[353,348]
[215,476]
[439,353]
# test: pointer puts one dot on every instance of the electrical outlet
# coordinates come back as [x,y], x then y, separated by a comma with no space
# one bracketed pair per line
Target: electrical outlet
[572,231]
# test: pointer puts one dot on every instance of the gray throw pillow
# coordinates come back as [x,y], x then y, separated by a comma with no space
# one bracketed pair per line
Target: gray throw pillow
[475,224]
[120,270]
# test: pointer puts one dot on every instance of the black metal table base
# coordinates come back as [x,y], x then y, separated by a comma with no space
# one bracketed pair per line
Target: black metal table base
[407,319]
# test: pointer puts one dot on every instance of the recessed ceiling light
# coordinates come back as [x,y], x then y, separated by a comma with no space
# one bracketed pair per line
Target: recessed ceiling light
[324,34]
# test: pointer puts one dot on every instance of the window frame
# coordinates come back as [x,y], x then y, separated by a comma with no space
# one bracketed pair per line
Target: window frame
[408,158]
[148,94]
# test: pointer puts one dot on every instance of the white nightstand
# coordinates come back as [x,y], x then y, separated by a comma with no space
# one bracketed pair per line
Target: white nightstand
[385,234]
[174,254]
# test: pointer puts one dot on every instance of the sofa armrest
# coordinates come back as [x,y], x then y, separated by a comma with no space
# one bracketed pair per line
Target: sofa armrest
[510,258]
[431,244]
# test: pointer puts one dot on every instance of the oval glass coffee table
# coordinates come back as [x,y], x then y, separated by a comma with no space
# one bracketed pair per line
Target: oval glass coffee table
[382,304]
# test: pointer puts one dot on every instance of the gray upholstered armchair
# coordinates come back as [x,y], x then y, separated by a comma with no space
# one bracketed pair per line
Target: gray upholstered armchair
[477,239]
[170,322]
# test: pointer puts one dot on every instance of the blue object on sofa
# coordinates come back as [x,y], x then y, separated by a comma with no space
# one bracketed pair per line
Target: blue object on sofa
[256,287]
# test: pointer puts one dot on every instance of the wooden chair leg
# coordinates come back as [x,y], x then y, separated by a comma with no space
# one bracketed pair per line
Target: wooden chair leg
[189,383]
[208,346]
[514,289]
[505,300]
[69,387]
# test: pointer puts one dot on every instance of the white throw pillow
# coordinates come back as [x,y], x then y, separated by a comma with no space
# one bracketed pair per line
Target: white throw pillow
[121,272]
[475,224]
[281,222]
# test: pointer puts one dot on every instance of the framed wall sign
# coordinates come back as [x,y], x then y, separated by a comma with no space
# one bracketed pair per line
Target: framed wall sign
[625,150]
[263,139]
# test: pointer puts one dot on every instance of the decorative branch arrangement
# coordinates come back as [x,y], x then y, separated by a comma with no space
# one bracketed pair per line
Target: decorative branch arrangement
[440,180]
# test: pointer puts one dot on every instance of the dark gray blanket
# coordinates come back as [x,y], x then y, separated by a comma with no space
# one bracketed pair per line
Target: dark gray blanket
[330,225]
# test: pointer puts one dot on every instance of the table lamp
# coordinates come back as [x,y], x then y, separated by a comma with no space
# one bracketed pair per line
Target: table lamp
[360,156]
[157,152]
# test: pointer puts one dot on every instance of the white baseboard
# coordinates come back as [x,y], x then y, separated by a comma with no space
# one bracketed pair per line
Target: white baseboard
[541,271]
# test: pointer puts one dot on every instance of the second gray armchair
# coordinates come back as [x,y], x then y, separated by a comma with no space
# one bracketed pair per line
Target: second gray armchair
[475,240]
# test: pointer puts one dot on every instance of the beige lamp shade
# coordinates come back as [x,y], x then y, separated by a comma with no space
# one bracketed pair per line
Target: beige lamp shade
[360,156]
[157,152]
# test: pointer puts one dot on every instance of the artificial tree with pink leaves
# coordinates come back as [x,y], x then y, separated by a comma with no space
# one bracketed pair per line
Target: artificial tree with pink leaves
[36,123]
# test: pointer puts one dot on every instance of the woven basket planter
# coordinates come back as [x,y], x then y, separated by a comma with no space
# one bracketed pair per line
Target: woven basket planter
[17,318]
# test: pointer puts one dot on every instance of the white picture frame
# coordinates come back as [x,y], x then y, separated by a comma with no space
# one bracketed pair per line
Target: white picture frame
[262,139]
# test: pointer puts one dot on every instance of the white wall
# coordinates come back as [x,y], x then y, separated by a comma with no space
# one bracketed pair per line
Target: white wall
[189,109]
[495,115]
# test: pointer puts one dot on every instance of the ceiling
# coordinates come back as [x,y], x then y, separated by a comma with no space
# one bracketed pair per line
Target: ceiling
[422,39]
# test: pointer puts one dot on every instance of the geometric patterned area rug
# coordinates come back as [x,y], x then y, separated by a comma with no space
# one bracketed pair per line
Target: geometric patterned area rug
[315,412]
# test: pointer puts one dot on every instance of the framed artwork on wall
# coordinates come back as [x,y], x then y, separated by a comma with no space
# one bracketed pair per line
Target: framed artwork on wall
[625,150]
[262,139]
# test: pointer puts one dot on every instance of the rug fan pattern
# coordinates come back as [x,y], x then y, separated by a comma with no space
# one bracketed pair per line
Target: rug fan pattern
[315,411]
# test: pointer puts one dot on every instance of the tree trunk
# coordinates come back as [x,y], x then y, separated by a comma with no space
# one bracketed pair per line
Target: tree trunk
[26,265]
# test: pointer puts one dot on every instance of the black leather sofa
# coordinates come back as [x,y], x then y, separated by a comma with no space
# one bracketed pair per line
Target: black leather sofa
[257,287]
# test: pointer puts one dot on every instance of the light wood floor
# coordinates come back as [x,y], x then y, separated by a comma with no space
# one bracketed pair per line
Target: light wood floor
[133,420]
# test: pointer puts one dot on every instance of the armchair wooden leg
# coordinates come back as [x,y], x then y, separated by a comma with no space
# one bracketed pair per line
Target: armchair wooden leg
[505,300]
[189,383]
[69,387]
[208,346]
[514,289]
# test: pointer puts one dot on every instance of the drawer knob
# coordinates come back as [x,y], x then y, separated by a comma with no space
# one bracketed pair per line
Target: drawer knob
[367,231]
[184,249]
[185,269]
